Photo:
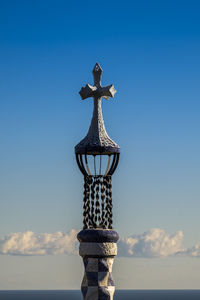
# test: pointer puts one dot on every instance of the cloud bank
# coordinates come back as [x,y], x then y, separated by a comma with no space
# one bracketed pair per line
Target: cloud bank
[29,243]
[151,244]
[194,251]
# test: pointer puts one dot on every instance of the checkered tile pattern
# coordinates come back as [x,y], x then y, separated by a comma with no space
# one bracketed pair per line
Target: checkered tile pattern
[97,283]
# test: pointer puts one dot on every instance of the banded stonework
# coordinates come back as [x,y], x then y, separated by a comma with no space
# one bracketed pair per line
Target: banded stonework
[98,248]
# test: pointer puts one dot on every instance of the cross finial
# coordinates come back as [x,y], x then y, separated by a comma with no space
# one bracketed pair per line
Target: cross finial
[97,74]
[97,140]
[97,91]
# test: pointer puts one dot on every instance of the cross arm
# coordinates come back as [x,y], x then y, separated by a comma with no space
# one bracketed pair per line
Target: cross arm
[92,91]
[87,91]
[107,91]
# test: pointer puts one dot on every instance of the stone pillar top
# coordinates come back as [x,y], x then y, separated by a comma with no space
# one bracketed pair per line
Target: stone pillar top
[97,140]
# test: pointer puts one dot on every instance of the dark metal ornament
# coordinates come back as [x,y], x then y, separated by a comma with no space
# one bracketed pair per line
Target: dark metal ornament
[97,202]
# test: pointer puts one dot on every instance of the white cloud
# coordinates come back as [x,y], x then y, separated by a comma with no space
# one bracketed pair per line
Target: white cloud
[29,243]
[193,251]
[153,243]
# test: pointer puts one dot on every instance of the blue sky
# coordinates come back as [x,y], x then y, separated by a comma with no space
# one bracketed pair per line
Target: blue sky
[150,51]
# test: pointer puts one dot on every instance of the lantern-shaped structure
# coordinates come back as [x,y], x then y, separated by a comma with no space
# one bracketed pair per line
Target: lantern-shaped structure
[97,156]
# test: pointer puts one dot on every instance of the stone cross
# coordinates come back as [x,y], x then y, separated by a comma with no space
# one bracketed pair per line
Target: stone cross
[97,91]
[97,139]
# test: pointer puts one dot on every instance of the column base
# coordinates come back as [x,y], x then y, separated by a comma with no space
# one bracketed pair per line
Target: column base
[98,248]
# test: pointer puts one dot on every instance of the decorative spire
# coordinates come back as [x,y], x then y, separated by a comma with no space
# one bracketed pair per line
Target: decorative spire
[97,140]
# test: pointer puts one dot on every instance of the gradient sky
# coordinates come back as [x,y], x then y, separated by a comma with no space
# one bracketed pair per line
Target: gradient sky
[150,51]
